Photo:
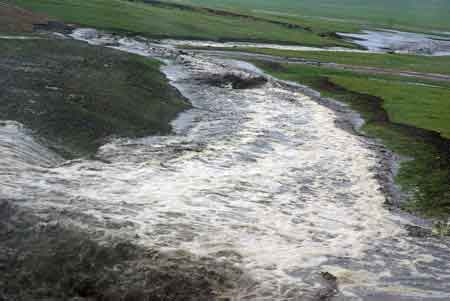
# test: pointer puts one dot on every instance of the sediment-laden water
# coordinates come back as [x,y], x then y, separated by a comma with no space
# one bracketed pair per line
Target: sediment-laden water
[263,179]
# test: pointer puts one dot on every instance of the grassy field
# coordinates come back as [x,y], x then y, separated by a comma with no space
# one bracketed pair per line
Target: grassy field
[426,107]
[75,96]
[406,116]
[403,14]
[162,22]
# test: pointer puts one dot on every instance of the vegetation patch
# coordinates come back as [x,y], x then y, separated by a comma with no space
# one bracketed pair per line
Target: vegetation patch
[76,96]
[399,14]
[168,21]
[415,126]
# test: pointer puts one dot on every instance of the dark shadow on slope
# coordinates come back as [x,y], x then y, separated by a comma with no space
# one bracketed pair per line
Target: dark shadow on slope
[41,259]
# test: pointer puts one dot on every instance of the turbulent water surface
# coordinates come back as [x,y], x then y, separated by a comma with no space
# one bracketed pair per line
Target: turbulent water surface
[261,178]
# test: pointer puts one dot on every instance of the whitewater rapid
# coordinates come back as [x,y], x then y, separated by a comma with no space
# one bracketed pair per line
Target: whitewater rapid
[263,179]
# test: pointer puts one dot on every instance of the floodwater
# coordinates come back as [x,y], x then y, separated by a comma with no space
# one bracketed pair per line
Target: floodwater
[263,179]
[401,42]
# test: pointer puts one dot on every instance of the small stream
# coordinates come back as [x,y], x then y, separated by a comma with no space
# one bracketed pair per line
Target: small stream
[263,179]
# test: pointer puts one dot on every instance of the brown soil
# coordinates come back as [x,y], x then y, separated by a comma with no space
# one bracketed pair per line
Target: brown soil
[17,20]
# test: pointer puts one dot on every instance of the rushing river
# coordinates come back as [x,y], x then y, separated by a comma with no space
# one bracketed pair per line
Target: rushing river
[264,179]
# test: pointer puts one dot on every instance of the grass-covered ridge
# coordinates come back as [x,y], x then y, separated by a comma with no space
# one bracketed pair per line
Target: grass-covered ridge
[406,116]
[162,22]
[75,95]
[401,14]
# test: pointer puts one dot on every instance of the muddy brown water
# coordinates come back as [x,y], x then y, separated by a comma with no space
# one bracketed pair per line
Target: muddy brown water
[262,179]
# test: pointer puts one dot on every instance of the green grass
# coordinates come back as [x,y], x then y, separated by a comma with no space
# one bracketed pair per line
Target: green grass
[163,22]
[401,14]
[419,106]
[76,96]
[415,114]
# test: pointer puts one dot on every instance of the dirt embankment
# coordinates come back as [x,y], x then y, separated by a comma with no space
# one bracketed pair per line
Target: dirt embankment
[18,20]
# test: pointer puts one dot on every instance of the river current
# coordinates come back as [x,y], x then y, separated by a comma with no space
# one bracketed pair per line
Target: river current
[264,179]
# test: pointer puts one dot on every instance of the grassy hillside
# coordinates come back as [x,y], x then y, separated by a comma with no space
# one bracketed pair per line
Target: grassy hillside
[398,13]
[407,116]
[162,22]
[75,96]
